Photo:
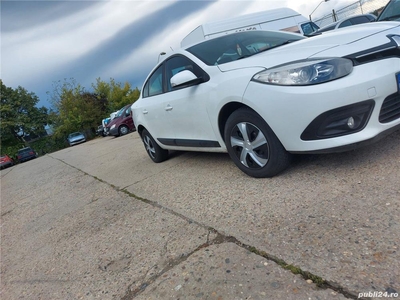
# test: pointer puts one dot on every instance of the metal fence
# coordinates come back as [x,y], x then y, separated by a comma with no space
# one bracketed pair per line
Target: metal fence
[356,8]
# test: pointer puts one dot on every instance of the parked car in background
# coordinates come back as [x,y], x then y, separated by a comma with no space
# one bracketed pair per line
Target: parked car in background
[391,12]
[100,130]
[264,95]
[6,161]
[350,21]
[76,138]
[284,19]
[122,123]
[26,154]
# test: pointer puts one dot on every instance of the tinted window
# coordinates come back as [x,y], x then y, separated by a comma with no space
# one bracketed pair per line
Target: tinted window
[345,24]
[154,84]
[25,150]
[309,28]
[239,45]
[360,20]
[391,12]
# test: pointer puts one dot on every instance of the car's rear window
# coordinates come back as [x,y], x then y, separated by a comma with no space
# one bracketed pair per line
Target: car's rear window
[26,150]
[75,134]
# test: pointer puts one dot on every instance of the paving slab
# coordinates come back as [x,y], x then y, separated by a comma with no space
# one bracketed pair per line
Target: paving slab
[73,220]
[227,271]
[66,234]
[336,216]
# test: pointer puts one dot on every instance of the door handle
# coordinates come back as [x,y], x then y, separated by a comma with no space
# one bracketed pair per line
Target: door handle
[168,107]
[145,112]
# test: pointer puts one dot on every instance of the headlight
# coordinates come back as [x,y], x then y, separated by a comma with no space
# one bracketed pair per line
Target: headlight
[306,72]
[112,126]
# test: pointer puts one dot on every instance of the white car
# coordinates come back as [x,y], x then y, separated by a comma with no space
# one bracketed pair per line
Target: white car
[76,138]
[263,95]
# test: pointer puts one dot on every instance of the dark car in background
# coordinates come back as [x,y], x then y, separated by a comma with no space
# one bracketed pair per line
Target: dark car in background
[6,161]
[26,154]
[122,123]
[76,138]
[391,12]
[350,21]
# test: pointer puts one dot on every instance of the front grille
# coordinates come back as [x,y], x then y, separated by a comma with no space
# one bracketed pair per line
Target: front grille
[390,110]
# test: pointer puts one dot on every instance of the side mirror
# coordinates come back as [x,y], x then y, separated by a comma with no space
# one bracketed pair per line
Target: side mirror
[184,77]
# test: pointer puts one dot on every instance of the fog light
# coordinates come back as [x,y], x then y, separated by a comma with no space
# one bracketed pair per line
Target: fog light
[340,121]
[350,122]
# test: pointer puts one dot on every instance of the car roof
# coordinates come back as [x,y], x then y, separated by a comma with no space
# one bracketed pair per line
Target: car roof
[334,25]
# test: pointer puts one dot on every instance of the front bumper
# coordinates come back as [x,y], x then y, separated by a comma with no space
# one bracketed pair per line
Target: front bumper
[26,158]
[6,165]
[290,110]
[113,131]
[75,142]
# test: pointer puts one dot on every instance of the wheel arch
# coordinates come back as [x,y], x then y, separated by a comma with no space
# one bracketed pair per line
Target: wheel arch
[228,109]
[225,112]
[140,129]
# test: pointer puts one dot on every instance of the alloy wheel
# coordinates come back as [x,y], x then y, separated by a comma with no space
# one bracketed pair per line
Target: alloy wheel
[250,145]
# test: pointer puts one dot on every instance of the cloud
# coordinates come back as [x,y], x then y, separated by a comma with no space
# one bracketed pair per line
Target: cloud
[46,41]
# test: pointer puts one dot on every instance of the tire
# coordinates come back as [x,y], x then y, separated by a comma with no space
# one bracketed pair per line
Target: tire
[253,146]
[156,153]
[123,130]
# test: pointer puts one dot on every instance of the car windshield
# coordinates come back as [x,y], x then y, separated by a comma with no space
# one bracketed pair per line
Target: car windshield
[75,134]
[391,11]
[239,45]
[120,112]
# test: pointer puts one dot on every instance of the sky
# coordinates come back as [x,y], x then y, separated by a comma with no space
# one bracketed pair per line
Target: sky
[43,42]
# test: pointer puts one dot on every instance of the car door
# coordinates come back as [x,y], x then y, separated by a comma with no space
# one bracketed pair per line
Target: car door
[128,120]
[186,106]
[152,111]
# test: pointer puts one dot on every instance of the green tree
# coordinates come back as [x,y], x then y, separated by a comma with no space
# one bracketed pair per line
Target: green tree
[77,109]
[20,118]
[117,94]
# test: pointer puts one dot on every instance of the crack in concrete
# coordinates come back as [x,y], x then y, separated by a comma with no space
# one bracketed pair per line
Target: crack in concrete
[219,239]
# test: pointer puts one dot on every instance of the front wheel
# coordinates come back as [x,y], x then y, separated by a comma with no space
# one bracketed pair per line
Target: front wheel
[123,130]
[156,153]
[253,146]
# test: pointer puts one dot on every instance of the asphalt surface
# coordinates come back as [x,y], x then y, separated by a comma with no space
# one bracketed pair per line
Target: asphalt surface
[100,220]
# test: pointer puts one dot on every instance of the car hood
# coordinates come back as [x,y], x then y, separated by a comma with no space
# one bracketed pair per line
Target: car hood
[75,138]
[337,43]
[113,121]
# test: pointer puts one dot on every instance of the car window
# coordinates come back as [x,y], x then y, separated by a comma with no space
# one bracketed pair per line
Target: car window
[25,150]
[75,134]
[345,24]
[176,64]
[391,12]
[239,45]
[154,84]
[119,113]
[359,20]
[309,28]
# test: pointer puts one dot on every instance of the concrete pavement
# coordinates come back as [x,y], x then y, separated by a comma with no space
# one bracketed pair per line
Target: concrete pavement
[101,221]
